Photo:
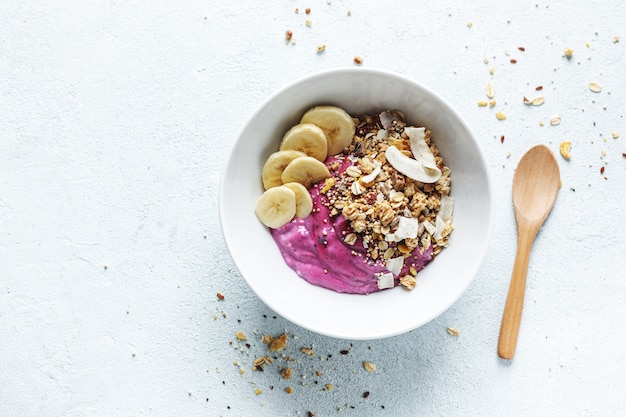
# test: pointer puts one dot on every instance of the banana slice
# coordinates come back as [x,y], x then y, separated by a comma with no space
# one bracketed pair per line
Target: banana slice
[306,170]
[274,166]
[307,138]
[336,123]
[304,202]
[276,207]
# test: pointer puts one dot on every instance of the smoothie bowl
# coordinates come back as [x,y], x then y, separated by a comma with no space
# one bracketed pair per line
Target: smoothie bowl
[356,203]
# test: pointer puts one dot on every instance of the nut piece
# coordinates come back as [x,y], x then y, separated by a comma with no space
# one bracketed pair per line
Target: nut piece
[595,87]
[369,366]
[564,149]
[408,281]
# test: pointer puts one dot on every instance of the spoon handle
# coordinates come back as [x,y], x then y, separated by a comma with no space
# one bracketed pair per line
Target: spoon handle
[512,314]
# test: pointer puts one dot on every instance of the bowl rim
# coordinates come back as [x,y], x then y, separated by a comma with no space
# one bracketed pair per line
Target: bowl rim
[489,227]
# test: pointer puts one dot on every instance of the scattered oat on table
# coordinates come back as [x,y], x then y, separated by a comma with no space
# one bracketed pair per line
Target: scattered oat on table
[452,331]
[595,87]
[564,148]
[369,366]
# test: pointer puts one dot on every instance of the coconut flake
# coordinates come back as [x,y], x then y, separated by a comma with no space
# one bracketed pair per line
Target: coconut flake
[382,134]
[444,216]
[430,228]
[419,147]
[372,175]
[407,228]
[411,167]
[386,118]
[385,281]
[394,265]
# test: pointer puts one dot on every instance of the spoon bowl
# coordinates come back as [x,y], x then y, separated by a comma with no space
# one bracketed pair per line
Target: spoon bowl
[536,184]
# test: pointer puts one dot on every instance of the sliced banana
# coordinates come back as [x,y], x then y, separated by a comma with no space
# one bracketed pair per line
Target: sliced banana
[336,123]
[304,202]
[306,170]
[276,207]
[307,138]
[274,166]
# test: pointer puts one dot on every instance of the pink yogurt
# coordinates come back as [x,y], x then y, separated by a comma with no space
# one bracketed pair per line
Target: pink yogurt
[315,250]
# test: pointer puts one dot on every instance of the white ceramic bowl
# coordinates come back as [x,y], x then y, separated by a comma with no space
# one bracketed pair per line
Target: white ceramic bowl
[382,314]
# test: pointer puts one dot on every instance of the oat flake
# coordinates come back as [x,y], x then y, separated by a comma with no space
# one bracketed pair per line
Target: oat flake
[595,87]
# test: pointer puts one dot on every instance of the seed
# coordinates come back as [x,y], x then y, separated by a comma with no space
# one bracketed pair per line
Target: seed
[500,115]
[344,352]
[602,169]
[452,331]
[538,101]
[220,296]
[366,394]
[502,139]
[595,87]
[490,90]
[539,88]
[369,366]
[568,53]
[358,60]
[321,48]
[514,61]
[288,35]
[521,48]
[307,10]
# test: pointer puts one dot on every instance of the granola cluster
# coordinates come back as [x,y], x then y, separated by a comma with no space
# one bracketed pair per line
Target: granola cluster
[375,198]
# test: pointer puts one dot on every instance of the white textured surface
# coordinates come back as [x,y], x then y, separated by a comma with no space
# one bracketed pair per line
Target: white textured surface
[115,117]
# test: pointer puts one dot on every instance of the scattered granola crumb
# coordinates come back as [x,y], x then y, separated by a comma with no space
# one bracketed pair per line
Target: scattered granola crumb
[482,103]
[452,331]
[289,34]
[257,391]
[491,70]
[564,148]
[286,373]
[540,122]
[309,23]
[241,371]
[555,120]
[321,48]
[615,39]
[241,336]
[568,53]
[492,103]
[624,154]
[307,10]
[502,139]
[521,48]
[615,135]
[220,296]
[308,351]
[539,88]
[329,387]
[279,343]
[602,169]
[500,115]
[408,281]
[369,366]
[358,60]
[595,87]
[514,61]
[288,390]
[486,60]
[349,13]
[470,24]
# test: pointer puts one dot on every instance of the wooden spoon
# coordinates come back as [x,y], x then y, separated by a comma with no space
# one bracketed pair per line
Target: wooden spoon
[535,185]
